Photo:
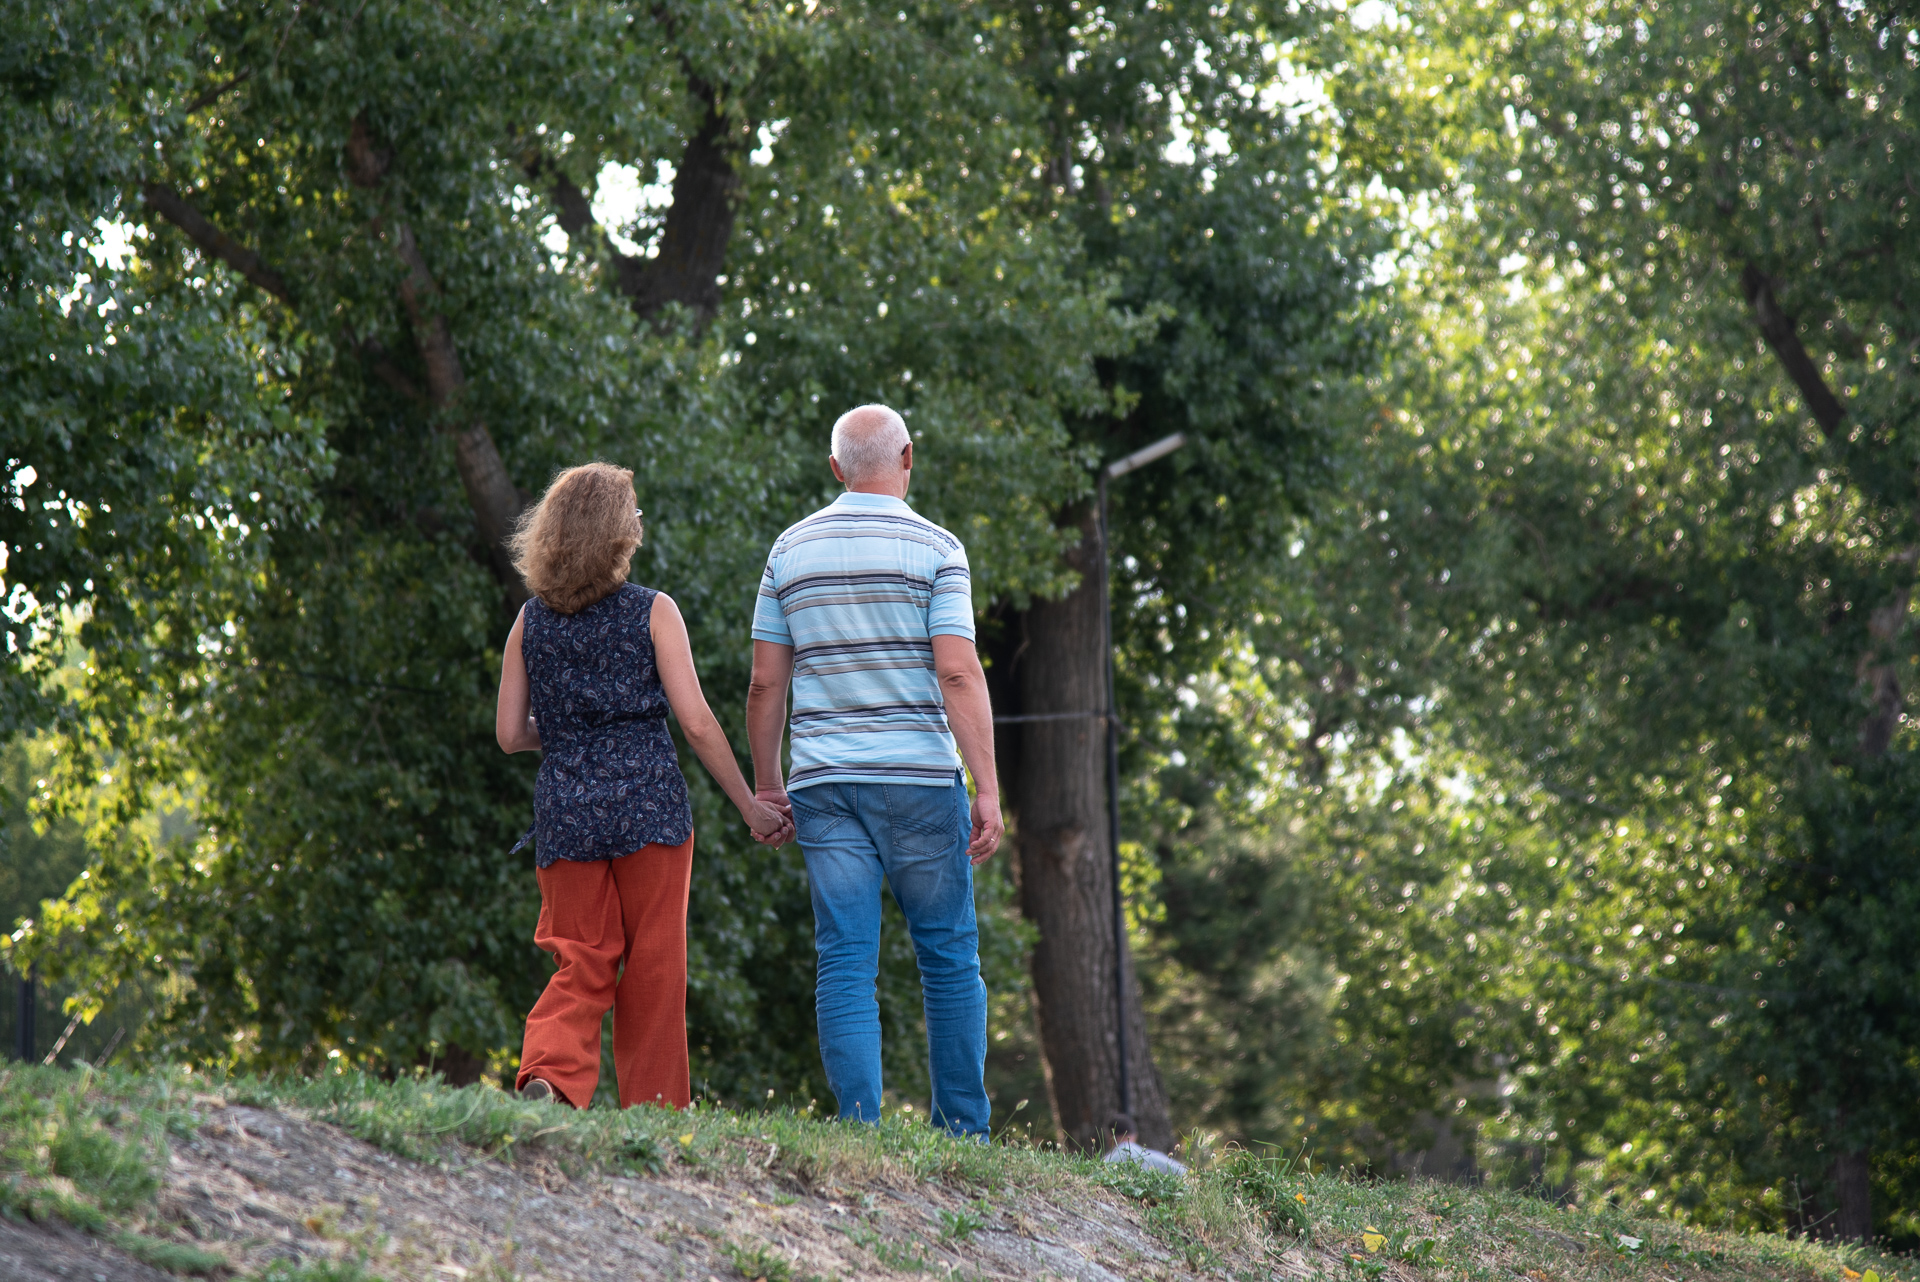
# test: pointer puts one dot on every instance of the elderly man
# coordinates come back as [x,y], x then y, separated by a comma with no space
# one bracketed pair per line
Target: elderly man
[866,609]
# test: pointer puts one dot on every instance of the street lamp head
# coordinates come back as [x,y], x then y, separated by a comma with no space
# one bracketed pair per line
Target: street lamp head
[1140,458]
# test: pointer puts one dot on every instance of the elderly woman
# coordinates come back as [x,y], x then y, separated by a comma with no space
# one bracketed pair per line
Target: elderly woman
[592,667]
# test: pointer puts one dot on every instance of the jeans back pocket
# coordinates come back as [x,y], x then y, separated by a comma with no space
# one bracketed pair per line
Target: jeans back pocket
[926,821]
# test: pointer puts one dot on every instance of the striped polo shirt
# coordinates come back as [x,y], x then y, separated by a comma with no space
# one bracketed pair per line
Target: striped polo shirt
[859,590]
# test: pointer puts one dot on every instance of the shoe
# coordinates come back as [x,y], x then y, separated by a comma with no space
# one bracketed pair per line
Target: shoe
[538,1088]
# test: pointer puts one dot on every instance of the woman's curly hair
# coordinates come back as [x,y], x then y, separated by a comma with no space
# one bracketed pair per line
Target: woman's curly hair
[575,545]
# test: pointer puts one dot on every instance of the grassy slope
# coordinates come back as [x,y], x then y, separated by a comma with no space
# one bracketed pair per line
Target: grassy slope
[90,1149]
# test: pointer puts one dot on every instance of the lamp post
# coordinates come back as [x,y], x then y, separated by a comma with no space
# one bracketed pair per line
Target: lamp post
[1113,471]
[23,1023]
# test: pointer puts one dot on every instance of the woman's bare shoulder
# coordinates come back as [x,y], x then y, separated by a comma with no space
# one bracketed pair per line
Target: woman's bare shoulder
[662,606]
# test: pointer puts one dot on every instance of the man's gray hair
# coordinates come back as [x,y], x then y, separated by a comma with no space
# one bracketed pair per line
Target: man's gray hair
[868,440]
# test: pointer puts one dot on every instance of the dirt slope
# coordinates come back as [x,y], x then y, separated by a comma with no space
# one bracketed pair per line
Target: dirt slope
[262,1186]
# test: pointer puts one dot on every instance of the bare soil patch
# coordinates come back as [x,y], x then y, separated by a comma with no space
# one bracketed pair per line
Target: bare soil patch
[262,1186]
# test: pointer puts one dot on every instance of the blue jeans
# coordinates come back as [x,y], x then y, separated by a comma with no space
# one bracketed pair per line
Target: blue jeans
[916,838]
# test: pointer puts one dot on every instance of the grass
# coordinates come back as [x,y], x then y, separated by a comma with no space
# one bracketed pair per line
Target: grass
[319,1271]
[89,1147]
[759,1264]
[76,1148]
[960,1226]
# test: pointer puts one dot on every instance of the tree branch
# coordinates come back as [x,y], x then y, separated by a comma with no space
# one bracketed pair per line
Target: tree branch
[496,501]
[494,497]
[366,163]
[176,209]
[374,352]
[219,91]
[1783,336]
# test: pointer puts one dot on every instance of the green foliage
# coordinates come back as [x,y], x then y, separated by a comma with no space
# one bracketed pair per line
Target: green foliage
[1219,221]
[39,858]
[1658,582]
[42,855]
[301,622]
[1529,804]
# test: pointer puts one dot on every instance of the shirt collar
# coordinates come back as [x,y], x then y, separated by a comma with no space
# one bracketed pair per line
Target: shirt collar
[872,502]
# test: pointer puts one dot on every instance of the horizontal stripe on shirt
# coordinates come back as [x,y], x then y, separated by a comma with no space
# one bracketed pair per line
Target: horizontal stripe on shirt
[875,710]
[870,774]
[796,586]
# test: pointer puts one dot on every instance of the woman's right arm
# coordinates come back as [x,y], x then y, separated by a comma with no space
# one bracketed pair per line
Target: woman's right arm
[513,723]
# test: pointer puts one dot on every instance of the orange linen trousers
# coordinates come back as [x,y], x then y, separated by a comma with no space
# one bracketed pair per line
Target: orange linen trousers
[618,928]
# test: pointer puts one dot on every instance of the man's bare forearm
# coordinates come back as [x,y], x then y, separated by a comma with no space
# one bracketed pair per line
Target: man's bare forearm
[963,688]
[970,714]
[767,713]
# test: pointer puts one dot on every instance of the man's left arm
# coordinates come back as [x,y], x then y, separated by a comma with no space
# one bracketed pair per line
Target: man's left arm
[963,687]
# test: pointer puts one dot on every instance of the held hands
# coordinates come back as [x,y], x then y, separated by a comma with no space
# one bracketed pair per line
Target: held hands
[770,818]
[987,829]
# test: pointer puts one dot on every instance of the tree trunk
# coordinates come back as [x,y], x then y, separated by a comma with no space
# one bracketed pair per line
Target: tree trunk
[1057,792]
[1876,669]
[1853,1196]
[693,243]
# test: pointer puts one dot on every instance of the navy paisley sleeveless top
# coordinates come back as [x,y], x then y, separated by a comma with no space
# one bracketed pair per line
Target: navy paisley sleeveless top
[609,780]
